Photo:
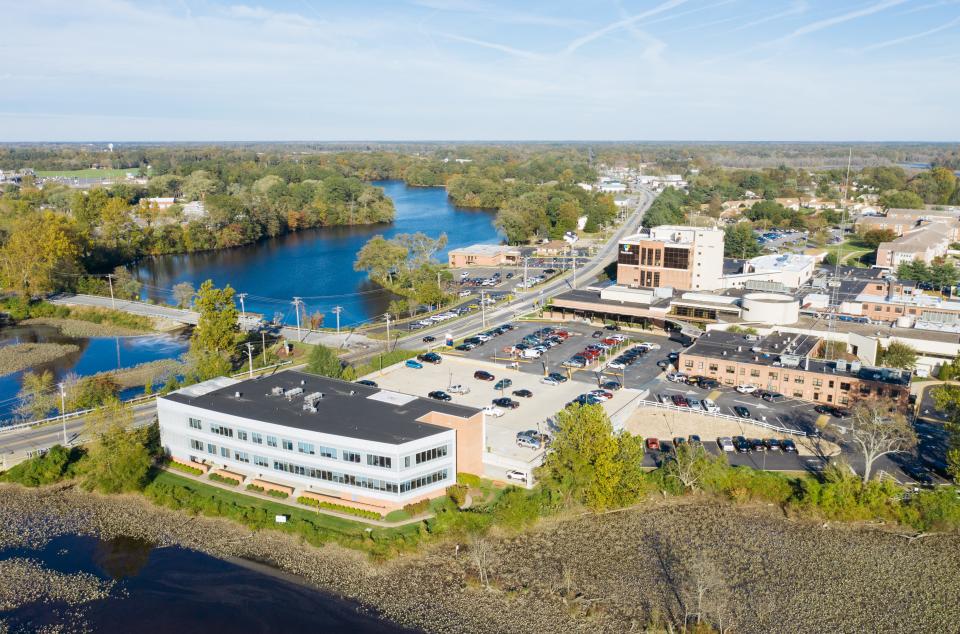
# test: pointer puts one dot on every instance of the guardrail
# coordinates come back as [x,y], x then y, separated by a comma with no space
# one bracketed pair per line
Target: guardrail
[749,421]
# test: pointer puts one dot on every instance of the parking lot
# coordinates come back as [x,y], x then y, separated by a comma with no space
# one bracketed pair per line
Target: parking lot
[505,279]
[535,412]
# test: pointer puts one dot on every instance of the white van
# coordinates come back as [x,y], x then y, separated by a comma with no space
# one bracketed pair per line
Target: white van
[531,353]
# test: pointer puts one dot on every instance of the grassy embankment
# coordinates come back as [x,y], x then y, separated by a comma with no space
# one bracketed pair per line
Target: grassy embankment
[75,321]
[88,173]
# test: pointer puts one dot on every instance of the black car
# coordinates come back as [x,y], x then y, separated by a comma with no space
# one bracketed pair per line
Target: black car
[757,445]
[367,382]
[611,386]
[773,444]
[741,411]
[440,395]
[429,339]
[503,384]
[597,334]
[556,376]
[741,445]
[788,446]
[483,375]
[477,341]
[506,402]
[612,327]
[523,393]
[430,357]
[708,383]
[465,347]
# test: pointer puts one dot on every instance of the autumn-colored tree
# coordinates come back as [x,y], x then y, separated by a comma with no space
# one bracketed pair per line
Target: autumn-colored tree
[41,255]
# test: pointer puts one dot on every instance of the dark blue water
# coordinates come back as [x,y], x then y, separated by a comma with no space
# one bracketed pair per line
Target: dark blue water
[96,354]
[317,265]
[170,590]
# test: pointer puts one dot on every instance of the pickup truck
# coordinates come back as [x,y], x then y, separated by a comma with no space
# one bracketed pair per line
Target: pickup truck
[458,389]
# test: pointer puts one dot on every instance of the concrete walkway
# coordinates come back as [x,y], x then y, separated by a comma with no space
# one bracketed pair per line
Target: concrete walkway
[292,503]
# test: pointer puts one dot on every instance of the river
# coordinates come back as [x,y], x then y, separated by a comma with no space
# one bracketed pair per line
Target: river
[173,589]
[317,264]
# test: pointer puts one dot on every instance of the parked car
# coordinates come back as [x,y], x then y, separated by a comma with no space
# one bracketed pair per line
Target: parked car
[526,441]
[746,388]
[649,346]
[694,439]
[725,443]
[774,397]
[465,347]
[440,395]
[413,363]
[677,377]
[709,406]
[483,375]
[679,440]
[507,402]
[523,393]
[694,403]
[575,362]
[518,476]
[430,357]
[788,446]
[706,383]
[611,386]
[490,410]
[772,444]
[458,389]
[757,445]
[680,400]
[549,380]
[663,365]
[367,382]
[429,339]
[741,411]
[653,444]
[503,384]
[741,445]
[597,334]
[663,398]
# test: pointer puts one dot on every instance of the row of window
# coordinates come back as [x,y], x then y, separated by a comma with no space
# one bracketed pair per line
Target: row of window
[306,448]
[362,482]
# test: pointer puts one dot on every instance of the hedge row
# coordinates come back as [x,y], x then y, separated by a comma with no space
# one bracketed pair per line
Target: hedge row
[185,468]
[342,508]
[216,477]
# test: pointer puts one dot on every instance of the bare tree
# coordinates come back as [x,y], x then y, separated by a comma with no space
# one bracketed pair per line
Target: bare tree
[183,293]
[481,555]
[688,465]
[878,429]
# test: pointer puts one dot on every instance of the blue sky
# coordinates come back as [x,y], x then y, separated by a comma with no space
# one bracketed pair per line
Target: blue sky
[484,70]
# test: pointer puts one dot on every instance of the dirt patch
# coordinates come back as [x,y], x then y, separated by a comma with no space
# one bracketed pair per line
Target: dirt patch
[81,328]
[666,424]
[20,356]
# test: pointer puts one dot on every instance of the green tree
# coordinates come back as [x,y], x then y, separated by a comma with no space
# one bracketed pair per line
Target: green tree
[325,362]
[894,199]
[872,239]
[943,274]
[183,294]
[217,329]
[381,259]
[41,254]
[125,285]
[947,399]
[740,242]
[899,355]
[117,458]
[37,397]
[915,270]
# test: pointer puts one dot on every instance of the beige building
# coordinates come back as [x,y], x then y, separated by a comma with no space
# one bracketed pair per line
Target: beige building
[684,258]
[484,255]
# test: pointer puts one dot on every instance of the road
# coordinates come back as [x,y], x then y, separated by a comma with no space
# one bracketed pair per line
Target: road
[16,445]
[526,301]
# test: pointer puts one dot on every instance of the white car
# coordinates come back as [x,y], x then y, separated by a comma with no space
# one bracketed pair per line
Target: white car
[649,346]
[726,443]
[519,476]
[483,338]
[549,381]
[747,389]
[531,353]
[490,410]
[458,389]
[709,406]
[677,377]
[617,365]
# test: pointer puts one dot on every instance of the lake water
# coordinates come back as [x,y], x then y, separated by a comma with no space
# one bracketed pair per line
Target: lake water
[317,265]
[96,354]
[170,590]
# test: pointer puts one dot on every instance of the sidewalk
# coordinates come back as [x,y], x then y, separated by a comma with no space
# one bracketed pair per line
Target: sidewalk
[292,503]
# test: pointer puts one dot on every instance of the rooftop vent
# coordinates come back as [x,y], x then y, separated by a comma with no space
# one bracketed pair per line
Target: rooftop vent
[277,391]
[238,394]
[294,391]
[310,402]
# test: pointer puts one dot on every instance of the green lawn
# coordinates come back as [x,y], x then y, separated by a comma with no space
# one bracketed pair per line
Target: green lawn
[340,525]
[89,173]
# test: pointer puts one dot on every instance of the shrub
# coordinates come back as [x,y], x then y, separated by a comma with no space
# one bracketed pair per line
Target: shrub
[185,468]
[458,494]
[280,495]
[469,480]
[341,508]
[59,463]
[255,488]
[417,508]
[216,477]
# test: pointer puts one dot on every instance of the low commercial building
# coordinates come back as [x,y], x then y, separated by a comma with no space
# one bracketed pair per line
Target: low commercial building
[787,363]
[324,438]
[684,258]
[787,270]
[924,244]
[484,255]
[161,203]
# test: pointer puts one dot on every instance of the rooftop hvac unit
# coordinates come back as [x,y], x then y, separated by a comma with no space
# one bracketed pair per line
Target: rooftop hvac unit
[790,360]
[840,365]
[294,391]
[855,366]
[277,391]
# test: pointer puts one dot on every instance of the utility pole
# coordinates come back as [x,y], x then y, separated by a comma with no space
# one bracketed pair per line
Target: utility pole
[339,309]
[250,357]
[296,309]
[387,316]
[263,345]
[243,310]
[63,411]
[483,310]
[574,253]
[113,303]
[526,260]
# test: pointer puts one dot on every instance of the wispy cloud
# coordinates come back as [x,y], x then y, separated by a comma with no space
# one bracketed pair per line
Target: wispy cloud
[619,24]
[819,25]
[908,38]
[509,50]
[798,8]
[498,14]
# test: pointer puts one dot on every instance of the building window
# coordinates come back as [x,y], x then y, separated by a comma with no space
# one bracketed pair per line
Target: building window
[431,454]
[241,435]
[798,380]
[688,364]
[211,448]
[864,390]
[830,384]
[731,369]
[328,452]
[225,452]
[845,387]
[379,461]
[426,480]
[629,254]
[195,423]
[714,367]
[196,444]
[406,462]
[220,430]
[241,456]
[260,461]
[755,373]
[798,393]
[351,456]
[256,438]
[287,444]
[674,258]
[773,376]
[271,441]
[818,383]
[844,400]
[305,447]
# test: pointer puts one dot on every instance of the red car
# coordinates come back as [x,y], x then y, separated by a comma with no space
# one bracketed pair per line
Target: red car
[590,354]
[483,375]
[610,342]
[563,334]
[653,444]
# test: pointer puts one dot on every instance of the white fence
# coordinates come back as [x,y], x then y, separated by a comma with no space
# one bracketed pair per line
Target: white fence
[749,421]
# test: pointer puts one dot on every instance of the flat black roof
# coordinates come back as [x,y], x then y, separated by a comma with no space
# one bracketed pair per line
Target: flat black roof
[340,413]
